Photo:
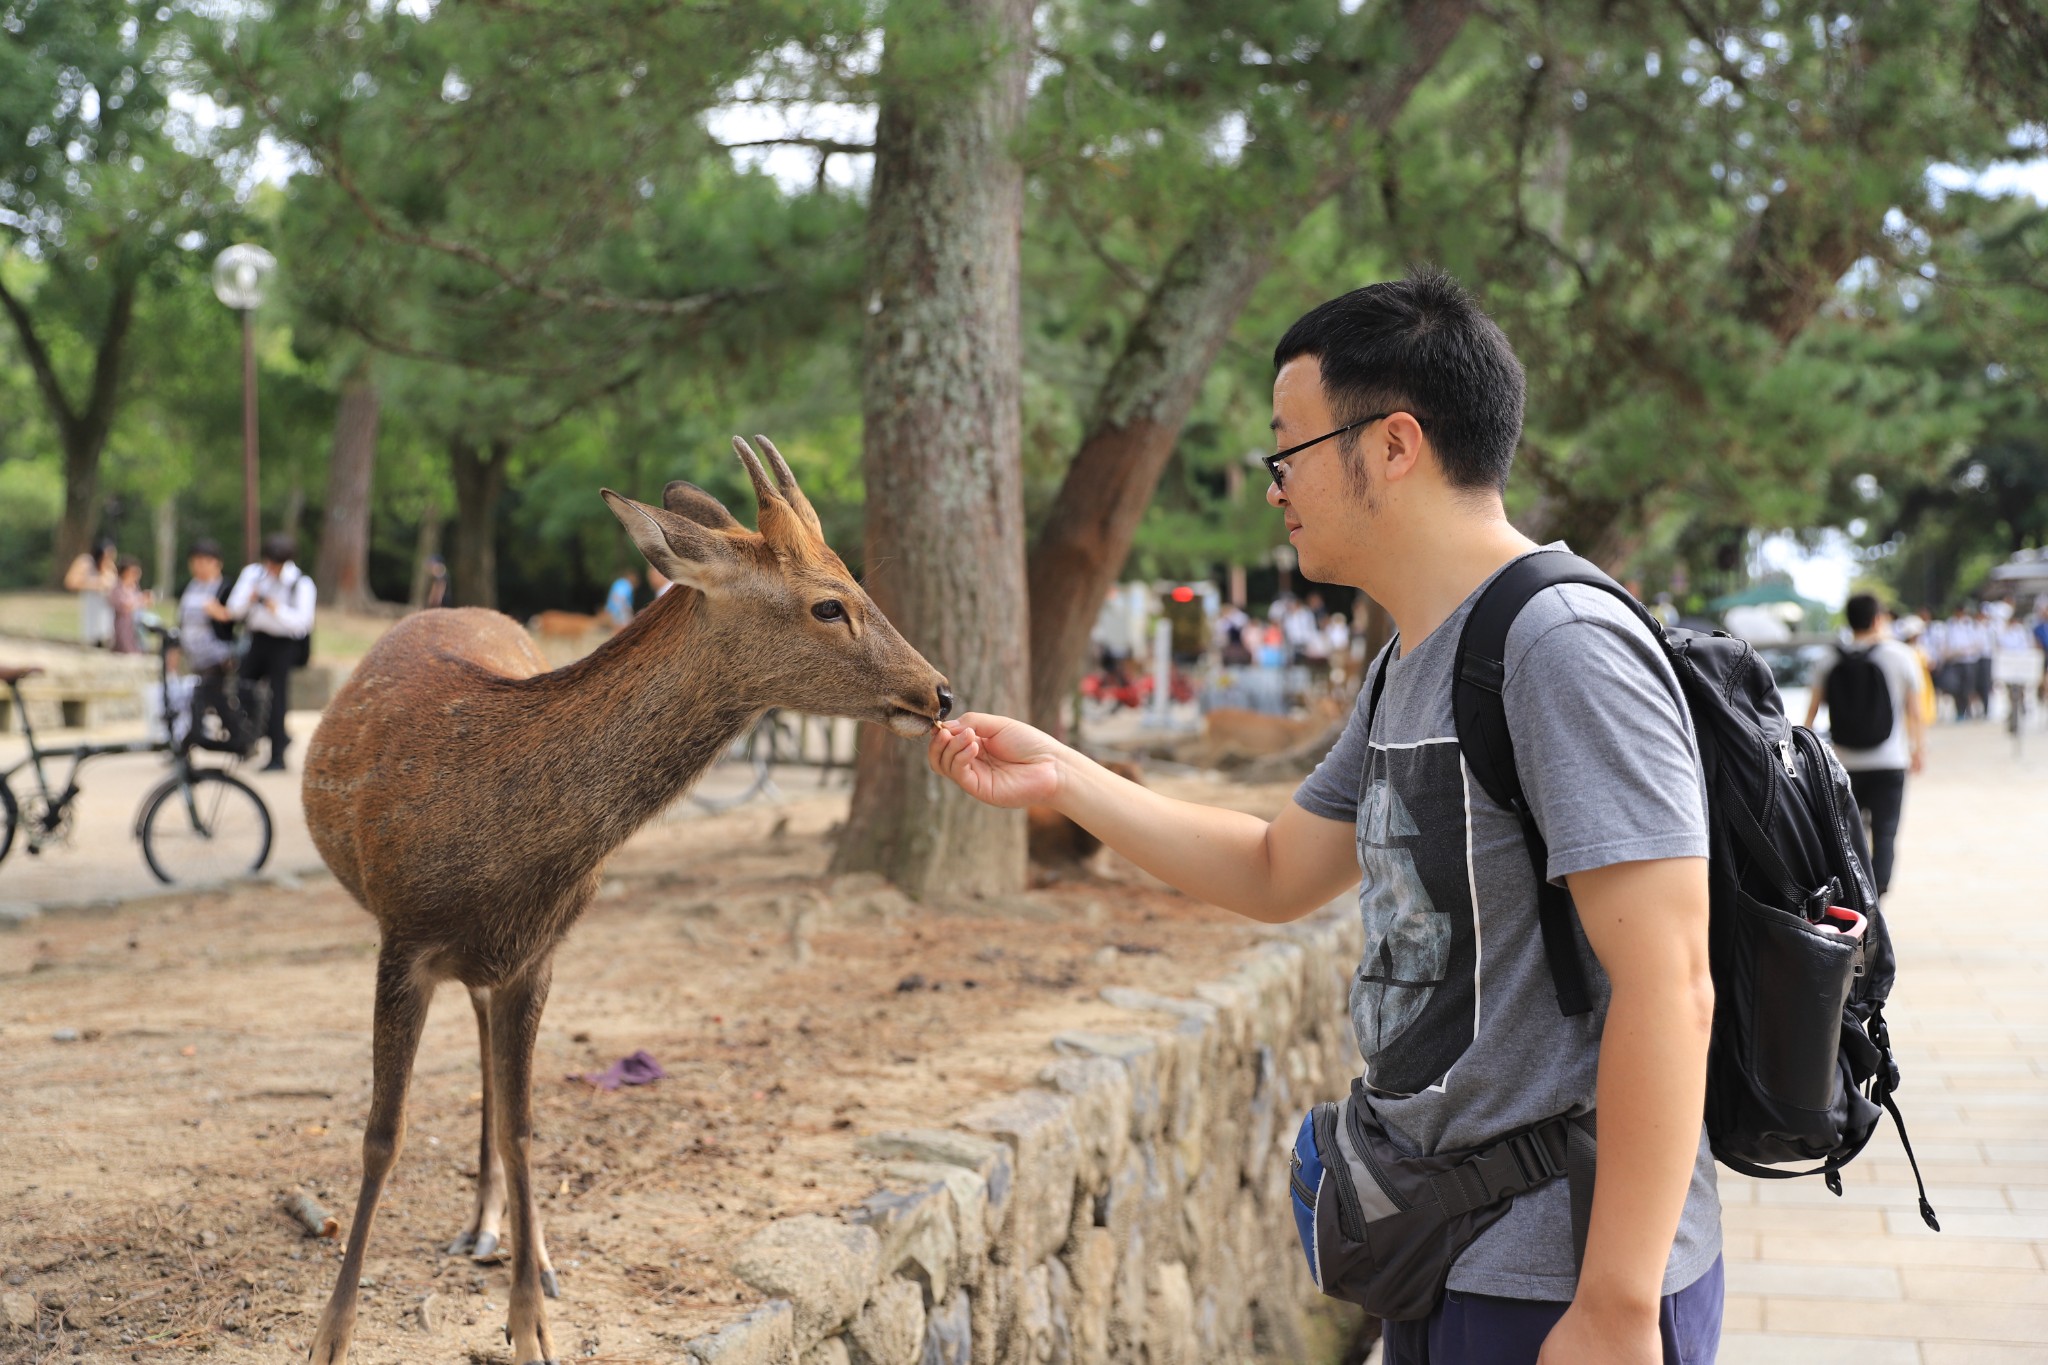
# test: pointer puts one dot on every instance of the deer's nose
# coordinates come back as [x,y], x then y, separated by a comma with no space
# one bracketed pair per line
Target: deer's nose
[945,701]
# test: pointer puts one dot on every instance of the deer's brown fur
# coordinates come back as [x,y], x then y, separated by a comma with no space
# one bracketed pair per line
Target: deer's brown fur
[468,798]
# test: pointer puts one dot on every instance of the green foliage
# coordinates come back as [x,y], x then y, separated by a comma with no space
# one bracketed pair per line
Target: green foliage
[1708,229]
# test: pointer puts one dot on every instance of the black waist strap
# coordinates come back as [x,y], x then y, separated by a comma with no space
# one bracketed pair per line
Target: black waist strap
[1517,1164]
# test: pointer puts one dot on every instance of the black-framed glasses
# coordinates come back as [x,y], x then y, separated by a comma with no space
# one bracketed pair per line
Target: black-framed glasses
[1273,460]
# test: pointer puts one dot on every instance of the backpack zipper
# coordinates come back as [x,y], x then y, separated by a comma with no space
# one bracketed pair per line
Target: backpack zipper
[1301,1190]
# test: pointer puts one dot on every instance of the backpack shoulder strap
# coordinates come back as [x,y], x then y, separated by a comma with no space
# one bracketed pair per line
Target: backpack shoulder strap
[1479,673]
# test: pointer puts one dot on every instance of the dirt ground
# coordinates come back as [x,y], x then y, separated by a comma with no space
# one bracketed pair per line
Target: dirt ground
[219,1056]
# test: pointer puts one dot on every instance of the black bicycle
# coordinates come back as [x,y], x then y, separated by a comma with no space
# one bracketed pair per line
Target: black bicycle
[199,824]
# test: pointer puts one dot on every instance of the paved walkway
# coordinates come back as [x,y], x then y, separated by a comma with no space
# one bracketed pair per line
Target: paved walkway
[1813,1279]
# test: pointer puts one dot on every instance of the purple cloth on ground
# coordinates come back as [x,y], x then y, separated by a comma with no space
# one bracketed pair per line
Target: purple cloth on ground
[639,1068]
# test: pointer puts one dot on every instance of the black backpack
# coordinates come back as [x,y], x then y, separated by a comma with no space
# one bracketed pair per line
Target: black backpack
[1859,700]
[1800,1068]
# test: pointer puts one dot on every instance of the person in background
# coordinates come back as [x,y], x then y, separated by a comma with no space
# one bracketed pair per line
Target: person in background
[2041,639]
[276,602]
[436,593]
[658,581]
[125,599]
[1228,636]
[1912,632]
[618,603]
[206,652]
[92,576]
[1877,771]
[1985,639]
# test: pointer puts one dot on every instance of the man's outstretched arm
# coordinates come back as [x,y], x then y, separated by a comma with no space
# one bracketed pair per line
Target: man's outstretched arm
[1272,871]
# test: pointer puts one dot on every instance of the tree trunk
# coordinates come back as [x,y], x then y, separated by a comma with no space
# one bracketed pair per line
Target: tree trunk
[479,482]
[166,536]
[344,568]
[1157,377]
[941,440]
[81,431]
[1138,418]
[427,547]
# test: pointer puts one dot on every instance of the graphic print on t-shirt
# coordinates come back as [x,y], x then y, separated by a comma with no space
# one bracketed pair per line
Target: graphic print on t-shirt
[1412,1000]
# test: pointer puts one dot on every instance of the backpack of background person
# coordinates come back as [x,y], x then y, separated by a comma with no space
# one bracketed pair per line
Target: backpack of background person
[1800,1068]
[224,631]
[1859,699]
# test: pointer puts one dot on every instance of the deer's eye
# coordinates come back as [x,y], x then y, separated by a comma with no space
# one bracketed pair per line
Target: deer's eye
[831,609]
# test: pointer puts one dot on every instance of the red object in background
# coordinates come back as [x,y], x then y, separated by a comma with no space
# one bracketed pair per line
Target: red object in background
[1183,593]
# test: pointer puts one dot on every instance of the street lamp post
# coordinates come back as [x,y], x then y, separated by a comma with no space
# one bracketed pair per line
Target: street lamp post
[239,274]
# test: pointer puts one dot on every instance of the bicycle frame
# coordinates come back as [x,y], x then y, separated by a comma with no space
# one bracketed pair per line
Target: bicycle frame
[55,803]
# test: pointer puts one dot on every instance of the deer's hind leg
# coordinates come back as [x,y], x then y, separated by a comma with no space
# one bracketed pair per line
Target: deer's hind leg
[403,992]
[480,1240]
[515,1022]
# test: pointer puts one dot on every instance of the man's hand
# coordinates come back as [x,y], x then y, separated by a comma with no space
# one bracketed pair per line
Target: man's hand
[997,760]
[1588,1336]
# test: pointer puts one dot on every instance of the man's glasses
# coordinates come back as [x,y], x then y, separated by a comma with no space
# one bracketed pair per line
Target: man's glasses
[1273,461]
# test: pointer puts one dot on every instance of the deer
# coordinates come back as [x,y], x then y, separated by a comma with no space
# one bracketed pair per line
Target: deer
[468,797]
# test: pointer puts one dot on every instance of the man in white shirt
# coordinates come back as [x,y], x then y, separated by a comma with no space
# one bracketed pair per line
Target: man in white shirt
[1875,755]
[275,601]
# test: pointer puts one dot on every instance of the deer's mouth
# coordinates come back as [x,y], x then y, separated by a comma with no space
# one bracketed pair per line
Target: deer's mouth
[908,723]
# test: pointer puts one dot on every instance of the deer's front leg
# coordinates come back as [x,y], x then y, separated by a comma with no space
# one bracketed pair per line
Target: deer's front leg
[401,1012]
[515,1011]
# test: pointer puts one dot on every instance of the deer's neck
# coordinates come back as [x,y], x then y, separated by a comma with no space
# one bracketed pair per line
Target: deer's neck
[633,724]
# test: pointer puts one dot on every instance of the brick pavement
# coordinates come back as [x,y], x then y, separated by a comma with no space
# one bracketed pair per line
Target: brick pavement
[1814,1280]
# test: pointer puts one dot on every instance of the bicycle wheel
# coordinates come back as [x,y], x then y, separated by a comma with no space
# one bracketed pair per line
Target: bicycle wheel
[10,816]
[208,829]
[737,776]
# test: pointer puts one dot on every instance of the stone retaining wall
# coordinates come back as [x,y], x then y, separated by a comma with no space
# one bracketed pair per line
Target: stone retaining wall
[1132,1206]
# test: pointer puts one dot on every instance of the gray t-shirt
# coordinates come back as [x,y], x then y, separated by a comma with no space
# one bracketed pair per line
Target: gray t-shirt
[1453,1005]
[1902,677]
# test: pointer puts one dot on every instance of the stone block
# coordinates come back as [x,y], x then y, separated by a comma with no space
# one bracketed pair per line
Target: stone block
[1038,1333]
[993,1161]
[1170,1317]
[916,1231]
[762,1337]
[830,1351]
[1039,1127]
[1127,1302]
[822,1266]
[969,1193]
[1139,1055]
[1090,1261]
[949,1332]
[1101,1092]
[890,1329]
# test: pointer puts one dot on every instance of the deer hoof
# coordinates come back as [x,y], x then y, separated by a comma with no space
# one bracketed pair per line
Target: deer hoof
[549,1285]
[462,1245]
[486,1248]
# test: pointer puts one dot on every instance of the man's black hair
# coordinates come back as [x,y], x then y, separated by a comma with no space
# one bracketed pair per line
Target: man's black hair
[1420,345]
[208,546]
[280,547]
[1861,611]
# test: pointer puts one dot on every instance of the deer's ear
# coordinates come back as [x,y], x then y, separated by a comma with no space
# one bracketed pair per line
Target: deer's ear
[685,551]
[687,500]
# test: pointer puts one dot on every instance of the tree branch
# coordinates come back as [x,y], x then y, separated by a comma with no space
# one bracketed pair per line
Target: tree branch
[586,300]
[822,144]
[39,361]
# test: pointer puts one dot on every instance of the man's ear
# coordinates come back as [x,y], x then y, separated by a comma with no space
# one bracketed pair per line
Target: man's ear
[687,500]
[685,551]
[1403,437]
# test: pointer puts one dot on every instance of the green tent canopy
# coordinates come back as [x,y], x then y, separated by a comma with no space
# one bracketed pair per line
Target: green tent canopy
[1766,595]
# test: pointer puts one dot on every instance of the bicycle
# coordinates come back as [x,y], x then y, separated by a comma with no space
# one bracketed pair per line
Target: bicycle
[198,824]
[775,738]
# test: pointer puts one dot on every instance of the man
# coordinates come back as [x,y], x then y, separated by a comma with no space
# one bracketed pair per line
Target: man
[1876,766]
[1397,409]
[275,601]
[203,652]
